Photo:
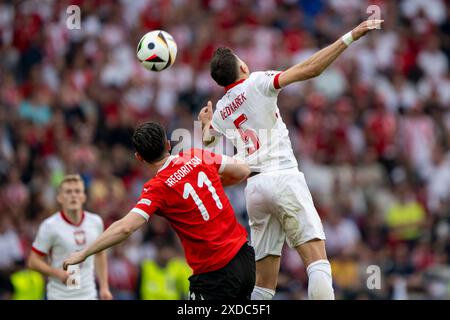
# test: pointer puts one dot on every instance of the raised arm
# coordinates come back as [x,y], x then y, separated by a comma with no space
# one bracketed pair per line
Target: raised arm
[205,116]
[118,231]
[318,62]
[233,172]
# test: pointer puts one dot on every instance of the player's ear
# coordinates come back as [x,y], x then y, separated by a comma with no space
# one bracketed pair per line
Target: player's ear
[168,146]
[59,197]
[138,156]
[244,69]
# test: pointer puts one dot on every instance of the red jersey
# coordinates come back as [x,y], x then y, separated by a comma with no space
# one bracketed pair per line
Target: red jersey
[187,191]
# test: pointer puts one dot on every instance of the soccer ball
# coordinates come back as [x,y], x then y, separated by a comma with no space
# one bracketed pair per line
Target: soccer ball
[157,50]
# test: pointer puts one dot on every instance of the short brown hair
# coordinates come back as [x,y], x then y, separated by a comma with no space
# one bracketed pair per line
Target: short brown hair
[149,140]
[224,66]
[70,178]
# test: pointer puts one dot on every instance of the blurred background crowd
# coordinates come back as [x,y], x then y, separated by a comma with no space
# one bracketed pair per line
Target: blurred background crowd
[371,134]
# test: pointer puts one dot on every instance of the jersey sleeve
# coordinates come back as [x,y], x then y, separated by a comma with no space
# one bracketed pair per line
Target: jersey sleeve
[149,202]
[267,83]
[215,159]
[43,241]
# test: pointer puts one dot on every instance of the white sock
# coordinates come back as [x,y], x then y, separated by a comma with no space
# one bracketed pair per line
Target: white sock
[260,293]
[320,285]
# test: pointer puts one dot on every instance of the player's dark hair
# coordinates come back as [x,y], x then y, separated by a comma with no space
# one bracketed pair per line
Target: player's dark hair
[149,140]
[224,66]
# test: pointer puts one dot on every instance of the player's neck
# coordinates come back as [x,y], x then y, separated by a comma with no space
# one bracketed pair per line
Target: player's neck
[74,216]
[155,166]
[242,77]
[239,80]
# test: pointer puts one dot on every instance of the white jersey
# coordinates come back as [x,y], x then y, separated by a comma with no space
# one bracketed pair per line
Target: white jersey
[57,238]
[248,115]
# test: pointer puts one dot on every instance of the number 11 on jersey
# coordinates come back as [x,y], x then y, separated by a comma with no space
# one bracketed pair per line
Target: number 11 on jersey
[190,191]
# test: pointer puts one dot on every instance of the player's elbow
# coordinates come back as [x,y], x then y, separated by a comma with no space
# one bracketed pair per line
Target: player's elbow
[312,71]
[234,174]
[242,171]
[245,171]
[31,263]
[126,231]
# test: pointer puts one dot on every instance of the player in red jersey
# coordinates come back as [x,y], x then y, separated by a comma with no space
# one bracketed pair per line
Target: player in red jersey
[186,189]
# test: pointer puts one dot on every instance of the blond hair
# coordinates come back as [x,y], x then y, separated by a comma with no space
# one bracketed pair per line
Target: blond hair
[70,178]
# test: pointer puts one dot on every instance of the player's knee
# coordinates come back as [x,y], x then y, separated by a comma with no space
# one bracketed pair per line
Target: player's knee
[320,286]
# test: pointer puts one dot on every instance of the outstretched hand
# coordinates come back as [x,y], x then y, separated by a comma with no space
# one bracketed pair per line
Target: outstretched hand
[364,27]
[74,258]
[206,113]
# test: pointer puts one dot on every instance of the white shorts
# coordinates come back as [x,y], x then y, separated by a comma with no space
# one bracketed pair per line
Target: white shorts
[280,207]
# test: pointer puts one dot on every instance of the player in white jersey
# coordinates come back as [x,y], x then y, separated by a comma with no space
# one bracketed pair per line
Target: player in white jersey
[71,229]
[279,203]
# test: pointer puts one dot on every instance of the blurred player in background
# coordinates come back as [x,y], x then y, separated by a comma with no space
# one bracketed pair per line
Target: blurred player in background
[186,189]
[69,230]
[279,202]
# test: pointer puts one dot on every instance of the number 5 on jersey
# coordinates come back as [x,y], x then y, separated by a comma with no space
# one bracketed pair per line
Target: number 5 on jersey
[247,134]
[190,191]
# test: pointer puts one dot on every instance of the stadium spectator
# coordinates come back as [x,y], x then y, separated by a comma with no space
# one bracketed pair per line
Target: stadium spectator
[122,275]
[165,278]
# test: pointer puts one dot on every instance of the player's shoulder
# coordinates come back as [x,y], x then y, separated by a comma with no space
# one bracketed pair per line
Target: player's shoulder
[52,219]
[200,157]
[51,222]
[263,74]
[93,217]
[153,185]
[257,74]
[188,154]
